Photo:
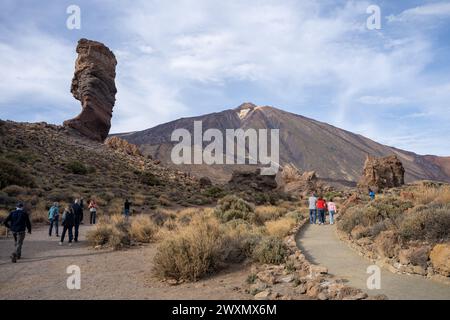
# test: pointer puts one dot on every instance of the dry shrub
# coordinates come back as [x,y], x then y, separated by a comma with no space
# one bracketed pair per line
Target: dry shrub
[143,229]
[266,213]
[270,250]
[3,216]
[232,207]
[281,227]
[111,231]
[426,194]
[241,239]
[368,215]
[194,251]
[431,222]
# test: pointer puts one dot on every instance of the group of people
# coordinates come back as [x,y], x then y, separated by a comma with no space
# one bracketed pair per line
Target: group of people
[18,221]
[319,207]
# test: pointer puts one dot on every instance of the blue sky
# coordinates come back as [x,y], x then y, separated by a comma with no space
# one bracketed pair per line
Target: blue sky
[185,58]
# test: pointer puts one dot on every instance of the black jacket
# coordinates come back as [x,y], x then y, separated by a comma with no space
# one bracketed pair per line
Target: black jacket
[18,221]
[68,219]
[78,212]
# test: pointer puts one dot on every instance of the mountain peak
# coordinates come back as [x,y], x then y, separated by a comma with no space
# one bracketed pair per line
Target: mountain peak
[244,109]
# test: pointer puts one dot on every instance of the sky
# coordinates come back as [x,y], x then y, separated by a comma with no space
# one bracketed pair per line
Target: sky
[185,58]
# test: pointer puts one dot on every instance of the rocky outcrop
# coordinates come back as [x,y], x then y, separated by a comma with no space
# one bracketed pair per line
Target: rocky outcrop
[252,179]
[440,258]
[292,180]
[382,173]
[123,146]
[93,85]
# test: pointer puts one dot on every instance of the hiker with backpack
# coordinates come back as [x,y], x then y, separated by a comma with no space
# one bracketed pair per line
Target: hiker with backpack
[321,208]
[18,221]
[78,216]
[93,211]
[53,217]
[331,210]
[68,222]
[312,209]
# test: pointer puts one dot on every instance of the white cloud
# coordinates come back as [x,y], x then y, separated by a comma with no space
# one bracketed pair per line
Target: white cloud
[37,68]
[385,100]
[432,10]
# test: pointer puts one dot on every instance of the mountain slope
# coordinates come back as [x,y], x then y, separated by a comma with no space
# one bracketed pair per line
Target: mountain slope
[335,154]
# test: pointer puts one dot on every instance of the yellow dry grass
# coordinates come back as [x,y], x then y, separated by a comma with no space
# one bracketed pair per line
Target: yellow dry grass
[281,227]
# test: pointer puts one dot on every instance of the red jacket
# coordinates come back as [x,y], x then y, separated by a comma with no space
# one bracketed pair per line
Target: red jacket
[321,204]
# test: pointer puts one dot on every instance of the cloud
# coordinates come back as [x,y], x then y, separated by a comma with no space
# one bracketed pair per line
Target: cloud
[383,100]
[36,69]
[432,10]
[183,58]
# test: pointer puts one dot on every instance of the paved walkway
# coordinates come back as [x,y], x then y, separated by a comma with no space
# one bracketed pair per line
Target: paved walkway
[321,245]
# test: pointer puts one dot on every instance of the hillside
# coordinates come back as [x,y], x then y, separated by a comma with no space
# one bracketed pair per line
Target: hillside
[335,154]
[42,163]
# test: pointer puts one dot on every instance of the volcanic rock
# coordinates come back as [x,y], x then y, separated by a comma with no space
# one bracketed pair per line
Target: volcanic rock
[382,173]
[93,85]
[252,179]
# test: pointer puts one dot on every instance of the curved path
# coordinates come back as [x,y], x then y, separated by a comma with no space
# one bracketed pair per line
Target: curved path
[321,245]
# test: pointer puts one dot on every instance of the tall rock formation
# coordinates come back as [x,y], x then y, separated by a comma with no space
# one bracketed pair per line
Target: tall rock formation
[93,85]
[381,173]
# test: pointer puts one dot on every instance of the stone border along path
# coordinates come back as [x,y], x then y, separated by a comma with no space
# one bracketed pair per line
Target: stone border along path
[321,245]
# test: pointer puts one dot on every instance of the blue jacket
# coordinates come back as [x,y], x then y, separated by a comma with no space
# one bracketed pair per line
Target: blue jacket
[18,221]
[53,213]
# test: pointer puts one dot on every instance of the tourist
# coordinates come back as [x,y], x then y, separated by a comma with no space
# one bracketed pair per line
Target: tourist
[53,217]
[331,210]
[93,211]
[321,207]
[371,194]
[126,208]
[17,221]
[68,222]
[312,209]
[78,214]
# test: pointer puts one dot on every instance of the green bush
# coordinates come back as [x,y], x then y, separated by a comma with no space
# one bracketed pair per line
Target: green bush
[12,174]
[76,167]
[232,207]
[374,212]
[14,191]
[149,179]
[214,192]
[270,250]
[427,222]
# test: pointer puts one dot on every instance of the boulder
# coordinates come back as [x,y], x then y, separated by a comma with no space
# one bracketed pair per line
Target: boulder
[440,258]
[252,179]
[416,256]
[123,146]
[205,182]
[386,244]
[263,295]
[94,86]
[382,173]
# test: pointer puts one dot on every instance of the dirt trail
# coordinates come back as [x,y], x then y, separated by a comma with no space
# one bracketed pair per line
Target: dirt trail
[105,274]
[322,246]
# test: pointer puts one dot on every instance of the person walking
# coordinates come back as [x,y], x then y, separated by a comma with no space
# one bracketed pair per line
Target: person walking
[312,209]
[93,211]
[78,214]
[17,221]
[68,222]
[53,217]
[126,208]
[321,207]
[371,194]
[331,210]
